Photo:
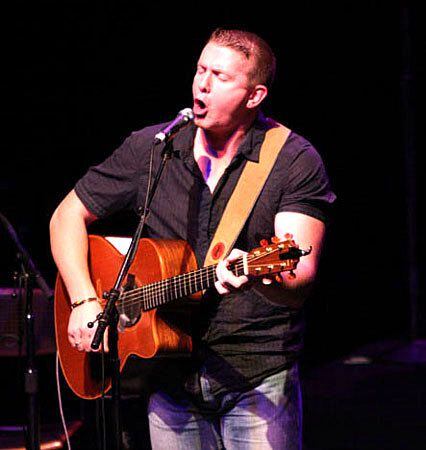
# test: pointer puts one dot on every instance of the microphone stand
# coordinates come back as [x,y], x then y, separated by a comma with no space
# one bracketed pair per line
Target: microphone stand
[32,432]
[109,316]
[28,274]
[41,282]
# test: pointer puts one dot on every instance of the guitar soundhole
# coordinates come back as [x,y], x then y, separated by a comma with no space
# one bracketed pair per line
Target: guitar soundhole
[129,309]
[127,318]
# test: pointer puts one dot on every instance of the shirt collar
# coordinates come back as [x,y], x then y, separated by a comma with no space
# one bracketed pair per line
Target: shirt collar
[249,147]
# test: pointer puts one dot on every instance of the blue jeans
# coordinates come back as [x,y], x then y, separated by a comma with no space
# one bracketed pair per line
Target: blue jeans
[267,417]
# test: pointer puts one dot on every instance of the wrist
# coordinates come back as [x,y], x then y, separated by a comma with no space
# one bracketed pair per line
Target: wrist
[80,302]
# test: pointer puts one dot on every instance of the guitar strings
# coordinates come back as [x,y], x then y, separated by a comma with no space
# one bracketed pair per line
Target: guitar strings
[165,292]
[187,278]
[182,282]
[161,291]
[163,286]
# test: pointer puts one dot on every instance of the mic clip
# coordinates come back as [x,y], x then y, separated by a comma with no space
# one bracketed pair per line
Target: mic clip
[184,117]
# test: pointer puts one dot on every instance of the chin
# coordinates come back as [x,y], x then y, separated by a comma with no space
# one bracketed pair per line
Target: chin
[198,121]
[209,125]
[202,122]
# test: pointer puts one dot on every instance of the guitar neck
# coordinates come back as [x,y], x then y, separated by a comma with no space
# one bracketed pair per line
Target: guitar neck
[161,292]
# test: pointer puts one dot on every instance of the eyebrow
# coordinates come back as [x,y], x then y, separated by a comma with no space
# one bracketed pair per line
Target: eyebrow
[214,69]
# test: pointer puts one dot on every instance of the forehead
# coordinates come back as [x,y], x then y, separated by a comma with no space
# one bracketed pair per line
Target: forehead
[226,59]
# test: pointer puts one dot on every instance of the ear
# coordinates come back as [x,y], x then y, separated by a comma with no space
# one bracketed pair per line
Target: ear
[257,95]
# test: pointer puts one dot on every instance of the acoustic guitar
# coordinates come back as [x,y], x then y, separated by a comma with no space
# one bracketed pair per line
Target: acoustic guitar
[163,272]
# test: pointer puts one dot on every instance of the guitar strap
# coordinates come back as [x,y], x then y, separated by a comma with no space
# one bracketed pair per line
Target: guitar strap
[246,193]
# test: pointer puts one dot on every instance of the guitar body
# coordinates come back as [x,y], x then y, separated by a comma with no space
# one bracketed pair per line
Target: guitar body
[149,332]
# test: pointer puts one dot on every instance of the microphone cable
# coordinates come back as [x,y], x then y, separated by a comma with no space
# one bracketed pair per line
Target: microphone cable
[61,410]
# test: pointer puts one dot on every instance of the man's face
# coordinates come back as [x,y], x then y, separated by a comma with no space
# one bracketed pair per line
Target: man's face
[221,88]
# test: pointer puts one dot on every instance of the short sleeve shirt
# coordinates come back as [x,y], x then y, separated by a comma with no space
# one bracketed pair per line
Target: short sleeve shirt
[246,335]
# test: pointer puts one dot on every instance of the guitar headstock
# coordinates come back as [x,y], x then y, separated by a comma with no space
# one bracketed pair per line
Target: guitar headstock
[276,256]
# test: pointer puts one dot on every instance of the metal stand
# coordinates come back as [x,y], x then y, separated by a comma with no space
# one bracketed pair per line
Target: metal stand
[38,278]
[109,316]
[27,276]
[32,435]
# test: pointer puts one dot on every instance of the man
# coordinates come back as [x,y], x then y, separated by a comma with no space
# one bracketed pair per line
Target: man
[244,393]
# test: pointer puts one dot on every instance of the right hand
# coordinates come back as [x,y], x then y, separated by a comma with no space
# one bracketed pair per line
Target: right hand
[80,335]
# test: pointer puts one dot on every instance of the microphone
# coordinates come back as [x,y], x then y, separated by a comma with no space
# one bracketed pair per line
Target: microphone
[183,119]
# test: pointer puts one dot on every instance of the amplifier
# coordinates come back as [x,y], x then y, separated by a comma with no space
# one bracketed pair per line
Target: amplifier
[12,312]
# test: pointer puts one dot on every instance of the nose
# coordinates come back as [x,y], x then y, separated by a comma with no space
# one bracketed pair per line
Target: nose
[204,82]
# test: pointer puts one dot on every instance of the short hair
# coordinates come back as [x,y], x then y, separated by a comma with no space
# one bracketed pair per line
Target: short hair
[251,46]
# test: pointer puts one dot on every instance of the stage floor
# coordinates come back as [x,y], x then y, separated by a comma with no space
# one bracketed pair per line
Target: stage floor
[372,399]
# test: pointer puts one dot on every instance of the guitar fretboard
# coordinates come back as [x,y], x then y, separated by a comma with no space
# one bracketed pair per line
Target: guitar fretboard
[161,292]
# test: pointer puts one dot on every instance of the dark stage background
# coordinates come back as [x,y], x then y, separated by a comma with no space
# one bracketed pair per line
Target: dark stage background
[80,76]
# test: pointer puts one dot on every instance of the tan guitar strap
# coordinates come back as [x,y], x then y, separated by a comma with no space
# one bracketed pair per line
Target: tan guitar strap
[246,193]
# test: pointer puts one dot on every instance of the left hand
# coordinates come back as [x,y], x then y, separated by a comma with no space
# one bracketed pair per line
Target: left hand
[226,279]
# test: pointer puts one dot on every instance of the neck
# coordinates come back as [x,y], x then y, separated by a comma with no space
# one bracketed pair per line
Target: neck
[219,146]
[224,142]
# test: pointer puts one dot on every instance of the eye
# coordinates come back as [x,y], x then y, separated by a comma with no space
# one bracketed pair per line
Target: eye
[223,76]
[200,69]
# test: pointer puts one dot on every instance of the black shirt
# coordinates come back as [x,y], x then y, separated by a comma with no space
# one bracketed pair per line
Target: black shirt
[246,335]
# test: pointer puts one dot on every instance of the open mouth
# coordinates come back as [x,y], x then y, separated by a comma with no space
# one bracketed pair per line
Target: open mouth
[200,108]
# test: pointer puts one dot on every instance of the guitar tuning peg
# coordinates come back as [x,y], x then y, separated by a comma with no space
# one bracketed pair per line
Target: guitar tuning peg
[264,243]
[288,236]
[275,240]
